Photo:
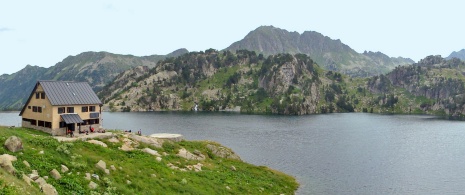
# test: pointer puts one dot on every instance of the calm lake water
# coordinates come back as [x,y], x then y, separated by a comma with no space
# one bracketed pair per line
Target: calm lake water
[352,153]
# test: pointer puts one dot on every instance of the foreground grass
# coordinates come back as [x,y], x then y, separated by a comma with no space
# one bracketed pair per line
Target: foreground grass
[137,172]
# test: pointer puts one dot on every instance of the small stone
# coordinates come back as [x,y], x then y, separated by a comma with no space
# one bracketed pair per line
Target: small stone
[27,179]
[120,168]
[227,187]
[26,163]
[96,142]
[113,140]
[184,181]
[112,167]
[93,185]
[153,175]
[101,165]
[35,172]
[33,176]
[41,181]
[158,159]
[233,168]
[128,182]
[49,189]
[96,176]
[41,152]
[55,174]
[46,177]
[87,176]
[64,169]
[107,171]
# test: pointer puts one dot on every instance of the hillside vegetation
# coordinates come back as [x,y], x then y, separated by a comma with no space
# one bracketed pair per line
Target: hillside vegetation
[96,68]
[209,171]
[284,84]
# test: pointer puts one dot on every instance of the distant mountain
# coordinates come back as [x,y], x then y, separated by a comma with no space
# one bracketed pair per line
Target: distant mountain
[330,54]
[457,54]
[97,68]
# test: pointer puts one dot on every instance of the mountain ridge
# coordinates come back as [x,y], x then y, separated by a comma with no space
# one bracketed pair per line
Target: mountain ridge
[329,53]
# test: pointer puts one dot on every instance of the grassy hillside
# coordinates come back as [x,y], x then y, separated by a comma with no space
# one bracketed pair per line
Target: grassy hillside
[136,172]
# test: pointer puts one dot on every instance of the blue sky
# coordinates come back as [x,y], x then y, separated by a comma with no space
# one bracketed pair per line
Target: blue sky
[45,32]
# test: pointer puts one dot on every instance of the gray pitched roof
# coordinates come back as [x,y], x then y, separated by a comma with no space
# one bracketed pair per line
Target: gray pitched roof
[69,93]
[71,118]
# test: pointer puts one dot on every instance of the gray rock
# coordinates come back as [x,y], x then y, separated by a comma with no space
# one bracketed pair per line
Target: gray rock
[14,144]
[55,174]
[107,171]
[128,182]
[64,169]
[158,159]
[233,168]
[222,152]
[46,177]
[93,185]
[101,165]
[41,152]
[49,189]
[113,168]
[150,151]
[35,172]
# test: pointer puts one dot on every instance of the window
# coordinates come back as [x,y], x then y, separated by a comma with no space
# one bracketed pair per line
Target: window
[42,95]
[85,109]
[94,115]
[70,109]
[48,124]
[28,107]
[39,109]
[92,108]
[61,110]
[37,95]
[62,124]
[33,122]
[41,123]
[34,109]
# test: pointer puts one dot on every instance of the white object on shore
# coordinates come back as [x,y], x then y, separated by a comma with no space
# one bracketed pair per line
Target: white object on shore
[168,136]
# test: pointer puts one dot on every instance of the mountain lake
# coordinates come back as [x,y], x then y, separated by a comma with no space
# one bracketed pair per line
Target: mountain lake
[351,153]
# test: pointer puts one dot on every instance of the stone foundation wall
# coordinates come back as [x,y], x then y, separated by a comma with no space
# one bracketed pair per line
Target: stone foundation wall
[58,131]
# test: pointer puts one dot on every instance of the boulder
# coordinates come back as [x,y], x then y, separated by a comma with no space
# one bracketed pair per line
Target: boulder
[150,151]
[148,140]
[5,163]
[55,174]
[101,165]
[14,144]
[93,185]
[96,142]
[188,155]
[64,169]
[49,189]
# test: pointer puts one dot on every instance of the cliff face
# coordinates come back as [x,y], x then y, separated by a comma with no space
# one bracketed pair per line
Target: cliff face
[330,54]
[435,78]
[281,84]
